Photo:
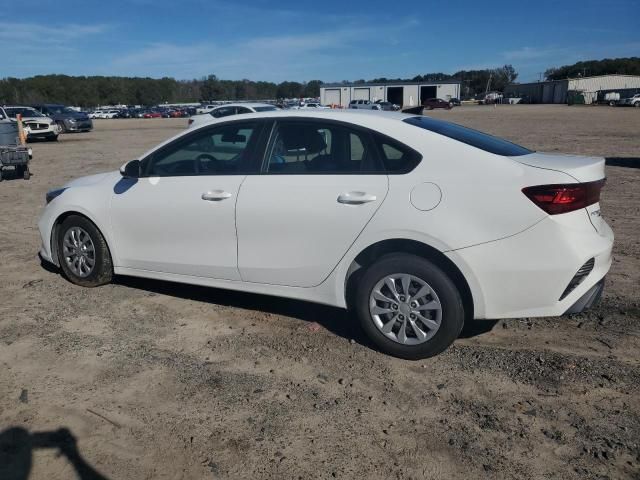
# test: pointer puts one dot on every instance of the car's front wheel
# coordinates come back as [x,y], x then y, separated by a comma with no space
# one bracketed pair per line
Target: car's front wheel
[409,307]
[83,253]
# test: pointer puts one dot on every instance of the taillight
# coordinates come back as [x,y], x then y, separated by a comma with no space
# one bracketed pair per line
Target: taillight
[555,199]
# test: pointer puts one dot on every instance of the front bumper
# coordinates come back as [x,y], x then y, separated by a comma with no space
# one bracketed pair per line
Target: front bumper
[79,125]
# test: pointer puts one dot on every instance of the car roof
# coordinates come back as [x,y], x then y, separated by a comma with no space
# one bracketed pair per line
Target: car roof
[346,115]
[241,104]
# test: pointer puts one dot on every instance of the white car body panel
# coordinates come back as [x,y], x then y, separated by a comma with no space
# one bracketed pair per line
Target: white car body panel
[280,218]
[295,240]
[171,229]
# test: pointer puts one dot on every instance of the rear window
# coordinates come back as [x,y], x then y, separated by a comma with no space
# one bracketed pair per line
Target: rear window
[471,137]
[265,109]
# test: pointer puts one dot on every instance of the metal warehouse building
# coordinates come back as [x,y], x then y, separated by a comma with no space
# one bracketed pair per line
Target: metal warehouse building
[406,94]
[591,89]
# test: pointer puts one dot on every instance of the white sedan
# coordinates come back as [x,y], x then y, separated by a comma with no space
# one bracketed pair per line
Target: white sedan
[231,109]
[418,225]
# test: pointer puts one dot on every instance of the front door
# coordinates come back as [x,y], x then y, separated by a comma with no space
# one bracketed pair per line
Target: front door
[179,217]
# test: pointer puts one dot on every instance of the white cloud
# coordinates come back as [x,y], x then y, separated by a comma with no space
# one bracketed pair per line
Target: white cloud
[291,56]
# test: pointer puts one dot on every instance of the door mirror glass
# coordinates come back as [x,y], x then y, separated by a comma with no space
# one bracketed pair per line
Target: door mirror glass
[131,169]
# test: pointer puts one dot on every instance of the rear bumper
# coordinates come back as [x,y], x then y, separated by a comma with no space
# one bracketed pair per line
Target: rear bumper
[525,275]
[588,300]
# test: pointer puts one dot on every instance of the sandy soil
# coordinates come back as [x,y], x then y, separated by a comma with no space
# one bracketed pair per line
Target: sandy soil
[158,380]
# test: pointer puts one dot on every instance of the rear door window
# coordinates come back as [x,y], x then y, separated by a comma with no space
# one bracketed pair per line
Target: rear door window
[318,147]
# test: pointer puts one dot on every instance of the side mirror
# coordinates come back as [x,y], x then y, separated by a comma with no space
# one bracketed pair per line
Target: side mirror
[131,169]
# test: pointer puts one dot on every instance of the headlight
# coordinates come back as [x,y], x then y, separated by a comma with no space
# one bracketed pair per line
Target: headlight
[72,120]
[51,194]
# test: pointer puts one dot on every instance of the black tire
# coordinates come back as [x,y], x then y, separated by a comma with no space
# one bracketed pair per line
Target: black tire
[53,138]
[102,271]
[453,313]
[23,171]
[63,128]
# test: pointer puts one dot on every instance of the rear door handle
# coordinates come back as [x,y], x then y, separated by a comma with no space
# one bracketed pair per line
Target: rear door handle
[356,198]
[215,195]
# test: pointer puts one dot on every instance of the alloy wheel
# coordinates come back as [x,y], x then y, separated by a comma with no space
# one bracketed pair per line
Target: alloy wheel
[79,252]
[405,309]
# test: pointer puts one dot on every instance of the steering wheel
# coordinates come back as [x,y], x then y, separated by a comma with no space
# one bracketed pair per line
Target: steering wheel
[204,156]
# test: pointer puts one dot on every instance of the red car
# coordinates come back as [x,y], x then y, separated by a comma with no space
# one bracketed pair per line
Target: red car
[432,103]
[152,115]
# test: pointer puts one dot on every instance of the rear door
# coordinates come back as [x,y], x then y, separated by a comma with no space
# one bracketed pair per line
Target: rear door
[321,184]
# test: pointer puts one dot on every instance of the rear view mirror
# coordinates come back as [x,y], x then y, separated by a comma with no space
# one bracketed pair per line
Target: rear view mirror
[131,169]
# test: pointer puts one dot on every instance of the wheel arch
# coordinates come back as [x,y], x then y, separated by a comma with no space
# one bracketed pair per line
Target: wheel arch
[56,227]
[399,245]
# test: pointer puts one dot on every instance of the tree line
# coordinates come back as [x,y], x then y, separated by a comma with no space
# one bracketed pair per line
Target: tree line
[98,90]
[589,68]
[91,91]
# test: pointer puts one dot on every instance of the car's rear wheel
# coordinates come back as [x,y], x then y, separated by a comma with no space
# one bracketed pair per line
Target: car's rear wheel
[409,307]
[83,253]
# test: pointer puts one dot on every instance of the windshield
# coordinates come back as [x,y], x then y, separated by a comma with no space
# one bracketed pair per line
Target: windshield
[25,112]
[60,109]
[265,109]
[471,137]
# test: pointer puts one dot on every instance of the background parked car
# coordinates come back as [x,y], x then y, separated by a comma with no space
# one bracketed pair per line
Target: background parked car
[232,109]
[312,105]
[111,114]
[67,119]
[388,106]
[36,125]
[152,114]
[205,109]
[432,103]
[630,102]
[364,105]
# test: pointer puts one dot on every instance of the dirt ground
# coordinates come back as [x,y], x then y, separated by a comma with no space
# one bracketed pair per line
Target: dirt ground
[159,380]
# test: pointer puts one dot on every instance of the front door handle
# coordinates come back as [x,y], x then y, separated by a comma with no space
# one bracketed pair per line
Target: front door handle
[215,195]
[356,198]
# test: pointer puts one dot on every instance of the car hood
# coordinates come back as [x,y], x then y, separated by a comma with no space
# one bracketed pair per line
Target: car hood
[76,115]
[93,179]
[37,120]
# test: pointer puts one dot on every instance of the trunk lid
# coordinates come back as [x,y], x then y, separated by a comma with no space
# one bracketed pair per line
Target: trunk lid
[583,169]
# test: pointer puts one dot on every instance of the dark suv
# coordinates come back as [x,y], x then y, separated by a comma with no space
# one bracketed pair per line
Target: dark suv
[68,119]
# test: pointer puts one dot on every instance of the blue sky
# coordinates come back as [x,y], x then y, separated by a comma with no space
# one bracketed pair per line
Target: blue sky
[328,40]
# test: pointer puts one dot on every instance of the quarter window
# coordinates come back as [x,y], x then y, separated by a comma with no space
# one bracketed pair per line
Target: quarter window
[220,150]
[396,157]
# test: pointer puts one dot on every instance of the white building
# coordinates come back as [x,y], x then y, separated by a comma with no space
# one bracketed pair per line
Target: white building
[591,89]
[407,94]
